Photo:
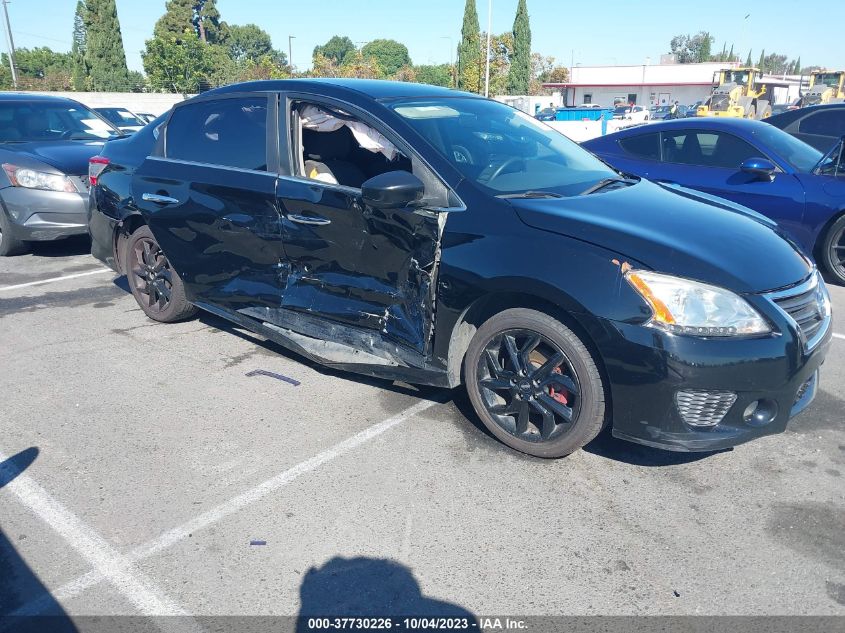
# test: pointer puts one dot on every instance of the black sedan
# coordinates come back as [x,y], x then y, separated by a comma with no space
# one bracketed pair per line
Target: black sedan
[415,233]
[820,126]
[45,144]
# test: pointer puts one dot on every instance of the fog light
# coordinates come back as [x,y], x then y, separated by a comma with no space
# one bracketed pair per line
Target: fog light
[760,412]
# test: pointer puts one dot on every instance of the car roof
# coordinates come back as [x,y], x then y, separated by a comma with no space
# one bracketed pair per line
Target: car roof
[701,123]
[24,97]
[374,88]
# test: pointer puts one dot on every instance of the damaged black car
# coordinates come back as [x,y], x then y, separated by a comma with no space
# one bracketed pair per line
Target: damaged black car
[435,237]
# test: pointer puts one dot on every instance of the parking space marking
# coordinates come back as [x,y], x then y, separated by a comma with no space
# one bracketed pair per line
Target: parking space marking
[842,336]
[51,280]
[173,536]
[109,564]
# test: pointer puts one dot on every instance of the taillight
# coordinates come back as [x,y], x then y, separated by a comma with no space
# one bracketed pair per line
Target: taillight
[96,164]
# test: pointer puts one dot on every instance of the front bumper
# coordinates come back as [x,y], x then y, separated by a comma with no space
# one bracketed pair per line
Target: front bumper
[37,215]
[647,368]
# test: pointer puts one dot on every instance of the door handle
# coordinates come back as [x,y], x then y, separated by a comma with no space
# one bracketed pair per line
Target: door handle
[158,199]
[304,219]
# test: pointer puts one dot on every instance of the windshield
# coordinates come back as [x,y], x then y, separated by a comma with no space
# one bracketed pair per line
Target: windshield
[502,149]
[120,117]
[622,110]
[797,153]
[33,121]
[737,77]
[831,80]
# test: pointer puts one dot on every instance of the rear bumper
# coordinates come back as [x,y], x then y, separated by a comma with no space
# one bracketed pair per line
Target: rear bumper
[36,215]
[103,231]
[647,368]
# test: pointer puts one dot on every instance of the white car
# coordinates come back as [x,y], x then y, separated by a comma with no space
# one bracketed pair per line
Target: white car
[636,114]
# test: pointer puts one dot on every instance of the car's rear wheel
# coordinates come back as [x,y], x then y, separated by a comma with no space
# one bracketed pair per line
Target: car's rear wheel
[833,250]
[154,284]
[9,245]
[534,383]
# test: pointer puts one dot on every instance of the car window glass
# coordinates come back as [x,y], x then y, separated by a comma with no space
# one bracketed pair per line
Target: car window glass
[642,146]
[827,123]
[228,132]
[340,149]
[706,149]
[21,121]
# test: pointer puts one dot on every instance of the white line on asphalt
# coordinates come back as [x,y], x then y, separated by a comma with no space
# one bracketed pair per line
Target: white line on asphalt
[171,537]
[842,336]
[109,564]
[99,271]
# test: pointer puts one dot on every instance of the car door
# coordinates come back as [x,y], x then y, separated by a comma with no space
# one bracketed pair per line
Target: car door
[209,196]
[709,160]
[368,270]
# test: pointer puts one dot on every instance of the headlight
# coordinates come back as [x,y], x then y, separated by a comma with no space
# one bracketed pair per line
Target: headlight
[31,179]
[689,307]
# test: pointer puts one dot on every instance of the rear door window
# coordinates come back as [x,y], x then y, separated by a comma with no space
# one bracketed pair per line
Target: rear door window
[827,123]
[642,146]
[706,149]
[231,132]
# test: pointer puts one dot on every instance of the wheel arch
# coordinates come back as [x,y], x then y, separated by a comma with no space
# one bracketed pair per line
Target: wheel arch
[122,231]
[822,234]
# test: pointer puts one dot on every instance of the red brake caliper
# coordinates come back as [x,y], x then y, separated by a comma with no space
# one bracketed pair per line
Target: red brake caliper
[559,396]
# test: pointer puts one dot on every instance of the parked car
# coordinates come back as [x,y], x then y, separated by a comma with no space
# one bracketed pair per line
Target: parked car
[631,113]
[546,114]
[45,144]
[820,126]
[661,113]
[749,162]
[146,117]
[414,233]
[123,119]
[692,110]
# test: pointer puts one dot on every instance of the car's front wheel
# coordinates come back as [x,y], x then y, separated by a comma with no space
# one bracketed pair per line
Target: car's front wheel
[833,250]
[154,284]
[9,245]
[534,383]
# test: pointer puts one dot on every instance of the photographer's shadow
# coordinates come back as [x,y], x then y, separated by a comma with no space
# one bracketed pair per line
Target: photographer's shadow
[369,588]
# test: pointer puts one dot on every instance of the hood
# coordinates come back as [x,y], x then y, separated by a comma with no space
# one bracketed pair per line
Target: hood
[69,157]
[676,231]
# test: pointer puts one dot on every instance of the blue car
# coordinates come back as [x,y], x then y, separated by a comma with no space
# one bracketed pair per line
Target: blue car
[748,162]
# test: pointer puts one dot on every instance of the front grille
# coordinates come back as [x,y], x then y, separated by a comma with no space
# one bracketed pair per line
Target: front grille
[807,305]
[704,408]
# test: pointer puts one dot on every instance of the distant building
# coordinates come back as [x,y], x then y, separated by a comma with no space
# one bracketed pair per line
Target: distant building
[648,85]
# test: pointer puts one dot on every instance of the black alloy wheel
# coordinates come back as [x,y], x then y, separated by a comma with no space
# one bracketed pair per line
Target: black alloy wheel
[534,383]
[833,251]
[529,386]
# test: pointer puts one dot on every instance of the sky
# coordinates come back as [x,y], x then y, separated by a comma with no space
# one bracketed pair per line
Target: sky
[605,33]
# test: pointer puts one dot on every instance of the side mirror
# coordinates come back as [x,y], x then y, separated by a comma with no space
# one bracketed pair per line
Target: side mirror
[392,190]
[759,167]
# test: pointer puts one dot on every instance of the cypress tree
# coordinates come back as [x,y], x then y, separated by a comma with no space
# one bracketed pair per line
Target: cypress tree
[469,51]
[178,16]
[519,76]
[731,54]
[796,68]
[761,65]
[104,54]
[748,61]
[79,70]
[206,20]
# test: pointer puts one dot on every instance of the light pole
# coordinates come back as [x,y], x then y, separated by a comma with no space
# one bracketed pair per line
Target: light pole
[11,44]
[290,50]
[745,31]
[451,57]
[487,67]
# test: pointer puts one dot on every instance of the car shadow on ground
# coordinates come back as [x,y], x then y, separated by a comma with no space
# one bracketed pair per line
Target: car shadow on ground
[19,585]
[372,588]
[76,245]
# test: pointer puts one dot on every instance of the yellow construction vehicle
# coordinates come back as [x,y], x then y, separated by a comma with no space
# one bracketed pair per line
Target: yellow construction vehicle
[826,86]
[739,94]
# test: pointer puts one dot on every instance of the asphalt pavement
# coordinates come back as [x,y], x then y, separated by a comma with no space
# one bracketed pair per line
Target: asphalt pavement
[145,473]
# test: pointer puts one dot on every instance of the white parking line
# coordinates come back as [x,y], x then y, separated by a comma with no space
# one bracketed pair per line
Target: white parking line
[842,336]
[99,271]
[171,537]
[109,564]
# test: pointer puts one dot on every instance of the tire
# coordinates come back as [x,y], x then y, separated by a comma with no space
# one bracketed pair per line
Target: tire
[10,246]
[152,280]
[833,251]
[515,398]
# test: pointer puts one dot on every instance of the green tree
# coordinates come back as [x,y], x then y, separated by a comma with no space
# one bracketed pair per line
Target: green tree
[40,68]
[470,57]
[748,61]
[336,49]
[796,67]
[762,63]
[501,47]
[104,54]
[79,72]
[137,81]
[691,49]
[360,66]
[435,75]
[185,65]
[731,57]
[390,55]
[206,21]
[178,16]
[250,42]
[519,75]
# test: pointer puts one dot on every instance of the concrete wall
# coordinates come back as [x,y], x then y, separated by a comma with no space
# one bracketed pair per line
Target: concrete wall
[580,131]
[152,102]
